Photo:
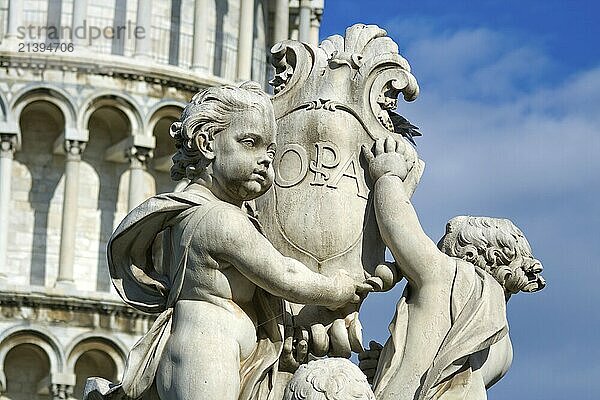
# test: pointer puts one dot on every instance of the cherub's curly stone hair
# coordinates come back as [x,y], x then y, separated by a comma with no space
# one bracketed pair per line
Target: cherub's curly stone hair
[328,379]
[210,111]
[491,244]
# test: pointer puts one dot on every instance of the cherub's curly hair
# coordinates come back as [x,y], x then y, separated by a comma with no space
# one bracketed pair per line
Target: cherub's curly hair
[488,243]
[328,379]
[210,112]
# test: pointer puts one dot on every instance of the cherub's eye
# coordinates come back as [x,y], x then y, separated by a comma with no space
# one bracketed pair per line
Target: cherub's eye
[271,154]
[250,142]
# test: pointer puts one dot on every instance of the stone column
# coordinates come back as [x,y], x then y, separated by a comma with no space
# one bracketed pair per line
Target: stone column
[138,158]
[143,43]
[7,149]
[281,29]
[79,16]
[304,26]
[73,150]
[315,25]
[200,43]
[15,18]
[245,39]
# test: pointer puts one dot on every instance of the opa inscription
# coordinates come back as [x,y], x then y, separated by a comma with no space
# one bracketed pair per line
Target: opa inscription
[324,168]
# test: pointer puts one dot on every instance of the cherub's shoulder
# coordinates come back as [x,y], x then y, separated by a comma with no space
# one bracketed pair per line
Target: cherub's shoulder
[222,216]
[223,228]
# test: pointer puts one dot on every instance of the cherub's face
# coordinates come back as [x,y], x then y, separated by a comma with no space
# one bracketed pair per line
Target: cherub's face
[526,275]
[242,167]
[533,271]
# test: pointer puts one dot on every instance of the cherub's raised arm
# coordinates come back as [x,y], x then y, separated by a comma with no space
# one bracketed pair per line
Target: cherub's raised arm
[233,238]
[417,255]
[419,259]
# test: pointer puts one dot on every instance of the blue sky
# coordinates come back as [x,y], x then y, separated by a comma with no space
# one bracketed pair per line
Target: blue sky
[510,113]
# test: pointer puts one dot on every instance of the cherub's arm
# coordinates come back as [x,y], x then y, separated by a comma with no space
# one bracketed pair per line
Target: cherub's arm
[233,238]
[419,259]
[428,271]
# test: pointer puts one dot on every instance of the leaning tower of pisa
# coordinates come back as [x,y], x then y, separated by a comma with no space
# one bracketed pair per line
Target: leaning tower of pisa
[88,90]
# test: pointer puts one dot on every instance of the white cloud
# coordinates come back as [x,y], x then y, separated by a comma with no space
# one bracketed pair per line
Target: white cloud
[468,63]
[494,125]
[578,94]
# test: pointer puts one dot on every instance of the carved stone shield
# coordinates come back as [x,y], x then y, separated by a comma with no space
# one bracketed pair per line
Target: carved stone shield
[328,102]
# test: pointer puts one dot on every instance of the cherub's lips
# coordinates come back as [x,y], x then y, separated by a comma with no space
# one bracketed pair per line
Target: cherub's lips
[535,282]
[260,176]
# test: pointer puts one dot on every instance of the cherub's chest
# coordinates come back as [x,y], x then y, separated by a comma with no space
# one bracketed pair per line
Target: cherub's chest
[206,276]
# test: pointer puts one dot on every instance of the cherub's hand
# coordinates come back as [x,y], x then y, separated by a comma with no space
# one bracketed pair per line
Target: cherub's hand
[390,156]
[385,277]
[347,291]
[368,360]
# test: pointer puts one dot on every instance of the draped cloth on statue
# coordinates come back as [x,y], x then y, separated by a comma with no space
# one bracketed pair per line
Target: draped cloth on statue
[478,320]
[147,258]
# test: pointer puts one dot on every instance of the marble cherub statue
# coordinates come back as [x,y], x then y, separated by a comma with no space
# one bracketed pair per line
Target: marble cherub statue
[449,337]
[199,259]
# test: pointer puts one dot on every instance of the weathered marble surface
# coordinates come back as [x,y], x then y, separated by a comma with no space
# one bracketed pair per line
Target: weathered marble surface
[246,298]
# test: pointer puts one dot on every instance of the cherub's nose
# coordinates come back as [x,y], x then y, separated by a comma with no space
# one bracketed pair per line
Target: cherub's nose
[265,160]
[537,268]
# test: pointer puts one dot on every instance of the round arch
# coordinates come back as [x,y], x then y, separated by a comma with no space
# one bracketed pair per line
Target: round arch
[49,93]
[119,101]
[161,118]
[112,347]
[40,337]
[163,109]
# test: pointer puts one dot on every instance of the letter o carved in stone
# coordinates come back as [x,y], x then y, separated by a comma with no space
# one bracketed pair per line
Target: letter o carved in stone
[296,178]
